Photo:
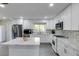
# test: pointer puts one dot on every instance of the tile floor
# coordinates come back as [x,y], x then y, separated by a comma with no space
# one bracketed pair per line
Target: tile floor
[46,50]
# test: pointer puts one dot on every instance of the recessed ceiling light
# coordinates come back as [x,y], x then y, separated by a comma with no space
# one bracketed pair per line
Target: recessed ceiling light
[51,4]
[1,5]
[4,17]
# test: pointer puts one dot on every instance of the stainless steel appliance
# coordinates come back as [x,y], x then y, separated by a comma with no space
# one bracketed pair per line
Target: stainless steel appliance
[16,31]
[59,26]
[27,32]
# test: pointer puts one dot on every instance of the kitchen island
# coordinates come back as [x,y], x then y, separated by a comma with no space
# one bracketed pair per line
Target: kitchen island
[22,47]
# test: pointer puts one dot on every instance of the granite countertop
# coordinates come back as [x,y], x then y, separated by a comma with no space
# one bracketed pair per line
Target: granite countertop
[21,41]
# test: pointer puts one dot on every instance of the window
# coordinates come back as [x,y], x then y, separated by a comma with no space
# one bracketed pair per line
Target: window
[40,27]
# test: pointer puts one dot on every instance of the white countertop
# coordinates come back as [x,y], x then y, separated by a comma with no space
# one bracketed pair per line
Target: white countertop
[20,41]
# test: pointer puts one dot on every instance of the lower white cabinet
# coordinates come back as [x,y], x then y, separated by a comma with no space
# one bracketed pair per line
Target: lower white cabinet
[64,49]
[68,51]
[59,47]
[77,53]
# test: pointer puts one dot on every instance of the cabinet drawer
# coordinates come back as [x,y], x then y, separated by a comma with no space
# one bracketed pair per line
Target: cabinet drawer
[65,49]
[60,47]
[77,52]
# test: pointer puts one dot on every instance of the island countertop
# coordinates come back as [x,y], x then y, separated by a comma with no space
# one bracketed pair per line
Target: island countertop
[20,41]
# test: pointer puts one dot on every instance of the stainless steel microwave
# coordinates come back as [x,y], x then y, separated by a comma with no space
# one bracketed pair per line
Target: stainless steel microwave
[59,26]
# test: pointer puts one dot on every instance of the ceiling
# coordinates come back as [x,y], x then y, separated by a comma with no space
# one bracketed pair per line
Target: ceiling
[31,10]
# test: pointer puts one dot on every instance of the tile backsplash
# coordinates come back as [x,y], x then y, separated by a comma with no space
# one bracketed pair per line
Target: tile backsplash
[73,35]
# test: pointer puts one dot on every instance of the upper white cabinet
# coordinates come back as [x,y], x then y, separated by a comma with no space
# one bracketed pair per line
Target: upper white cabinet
[53,27]
[66,15]
[70,17]
[60,17]
[75,16]
[54,21]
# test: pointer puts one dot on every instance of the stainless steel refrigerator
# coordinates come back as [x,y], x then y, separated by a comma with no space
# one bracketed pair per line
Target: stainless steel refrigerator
[16,31]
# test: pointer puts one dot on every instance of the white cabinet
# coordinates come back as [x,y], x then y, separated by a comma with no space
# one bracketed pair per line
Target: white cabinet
[55,20]
[60,17]
[77,53]
[68,51]
[75,16]
[44,37]
[64,48]
[67,18]
[53,23]
[59,47]
[2,33]
[70,17]
[4,51]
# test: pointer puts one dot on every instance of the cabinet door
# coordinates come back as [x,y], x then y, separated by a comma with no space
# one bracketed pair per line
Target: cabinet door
[60,17]
[67,18]
[68,51]
[54,23]
[60,47]
[75,16]
[77,53]
[64,48]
